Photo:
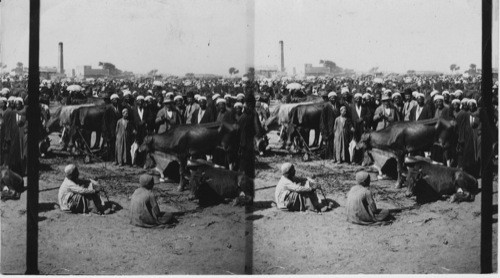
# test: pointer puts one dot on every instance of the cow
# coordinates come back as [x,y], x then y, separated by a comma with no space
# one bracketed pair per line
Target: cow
[401,138]
[430,182]
[192,141]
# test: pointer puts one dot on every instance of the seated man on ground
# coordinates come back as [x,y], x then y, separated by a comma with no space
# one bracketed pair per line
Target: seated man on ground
[79,196]
[144,210]
[292,196]
[361,208]
[12,184]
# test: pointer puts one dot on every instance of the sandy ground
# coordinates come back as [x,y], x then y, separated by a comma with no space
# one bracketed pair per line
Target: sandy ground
[439,237]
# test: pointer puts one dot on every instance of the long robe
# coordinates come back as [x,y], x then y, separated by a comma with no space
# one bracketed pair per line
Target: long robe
[123,141]
[465,146]
[327,122]
[342,138]
[11,148]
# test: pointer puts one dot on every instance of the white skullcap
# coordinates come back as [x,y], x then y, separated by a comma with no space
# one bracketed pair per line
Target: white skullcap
[387,91]
[197,96]
[126,93]
[332,94]
[446,93]
[238,104]
[396,95]
[366,95]
[240,95]
[433,93]
[200,98]
[3,99]
[286,167]
[5,91]
[215,96]
[465,100]
[139,97]
[472,101]
[169,94]
[420,95]
[358,95]
[163,92]
[344,90]
[148,98]
[458,92]
[113,96]
[415,94]
[69,169]
[455,101]
[227,96]
[11,98]
[178,97]
[438,97]
[20,99]
[220,100]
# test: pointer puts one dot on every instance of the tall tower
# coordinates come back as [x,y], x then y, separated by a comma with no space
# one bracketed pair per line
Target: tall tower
[60,63]
[282,57]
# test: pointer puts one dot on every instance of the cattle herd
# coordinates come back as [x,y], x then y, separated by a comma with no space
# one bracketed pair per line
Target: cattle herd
[428,124]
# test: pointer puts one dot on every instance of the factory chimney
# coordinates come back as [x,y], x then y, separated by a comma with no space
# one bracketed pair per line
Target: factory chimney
[282,57]
[60,64]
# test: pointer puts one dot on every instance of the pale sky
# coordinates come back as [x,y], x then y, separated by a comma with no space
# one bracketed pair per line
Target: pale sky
[201,36]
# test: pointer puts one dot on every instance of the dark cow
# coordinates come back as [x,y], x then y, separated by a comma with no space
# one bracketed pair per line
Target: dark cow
[304,118]
[402,138]
[193,140]
[430,182]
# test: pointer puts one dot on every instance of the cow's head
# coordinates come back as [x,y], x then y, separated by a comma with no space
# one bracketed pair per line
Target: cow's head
[445,131]
[229,135]
[414,177]
[466,182]
[147,145]
[364,142]
[261,144]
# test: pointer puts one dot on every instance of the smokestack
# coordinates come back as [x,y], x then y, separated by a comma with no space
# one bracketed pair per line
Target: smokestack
[60,60]
[282,57]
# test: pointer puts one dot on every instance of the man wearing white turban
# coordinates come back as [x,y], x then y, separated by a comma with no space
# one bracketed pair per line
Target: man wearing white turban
[291,195]
[329,113]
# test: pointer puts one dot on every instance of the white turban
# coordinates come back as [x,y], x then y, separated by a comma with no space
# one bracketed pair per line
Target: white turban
[220,100]
[471,101]
[20,100]
[240,95]
[238,104]
[139,97]
[332,94]
[163,92]
[113,96]
[369,89]
[178,98]
[358,95]
[12,98]
[227,96]
[433,93]
[420,95]
[344,90]
[396,95]
[465,101]
[200,98]
[415,94]
[446,93]
[455,101]
[286,167]
[197,97]
[4,99]
[69,169]
[215,96]
[126,93]
[169,94]
[148,98]
[458,92]
[366,95]
[438,97]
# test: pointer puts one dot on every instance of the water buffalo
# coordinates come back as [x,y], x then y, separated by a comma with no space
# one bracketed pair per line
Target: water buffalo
[402,138]
[430,182]
[193,140]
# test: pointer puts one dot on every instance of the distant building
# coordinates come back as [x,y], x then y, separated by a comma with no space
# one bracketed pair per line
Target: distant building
[88,72]
[267,71]
[48,73]
[316,71]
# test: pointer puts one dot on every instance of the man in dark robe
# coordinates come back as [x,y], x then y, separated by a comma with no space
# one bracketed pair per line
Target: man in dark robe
[465,144]
[359,117]
[202,114]
[420,111]
[327,120]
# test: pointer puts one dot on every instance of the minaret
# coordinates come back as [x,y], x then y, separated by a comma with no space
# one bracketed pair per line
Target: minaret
[282,57]
[60,63]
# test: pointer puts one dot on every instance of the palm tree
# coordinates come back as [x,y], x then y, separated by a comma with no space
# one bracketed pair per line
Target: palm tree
[453,67]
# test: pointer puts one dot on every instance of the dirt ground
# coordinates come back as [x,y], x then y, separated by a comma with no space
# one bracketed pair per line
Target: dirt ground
[439,237]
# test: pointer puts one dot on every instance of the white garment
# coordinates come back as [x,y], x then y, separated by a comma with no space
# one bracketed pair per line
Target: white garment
[201,112]
[419,110]
[169,113]
[140,111]
[358,110]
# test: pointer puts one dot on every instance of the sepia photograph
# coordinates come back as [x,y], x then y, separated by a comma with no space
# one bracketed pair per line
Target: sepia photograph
[234,137]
